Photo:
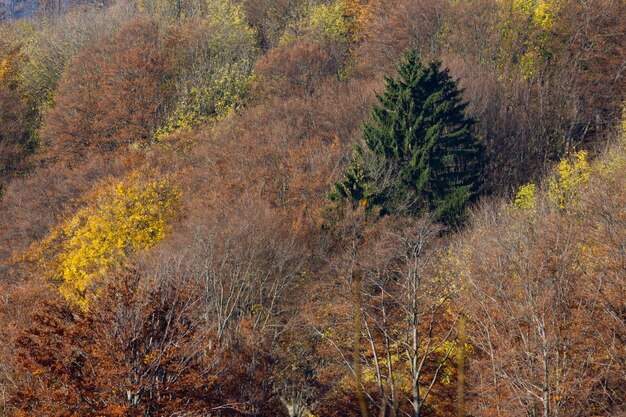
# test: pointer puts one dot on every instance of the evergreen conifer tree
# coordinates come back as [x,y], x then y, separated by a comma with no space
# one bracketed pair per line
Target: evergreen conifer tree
[420,151]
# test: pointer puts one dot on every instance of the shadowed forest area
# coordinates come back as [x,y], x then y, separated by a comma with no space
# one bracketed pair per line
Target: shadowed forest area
[313,208]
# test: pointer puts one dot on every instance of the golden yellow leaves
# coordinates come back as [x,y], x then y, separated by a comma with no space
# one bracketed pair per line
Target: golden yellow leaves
[5,67]
[10,58]
[213,58]
[121,219]
[544,14]
[564,187]
[209,102]
[342,21]
[358,13]
[526,32]
[571,176]
[525,198]
[541,12]
[329,21]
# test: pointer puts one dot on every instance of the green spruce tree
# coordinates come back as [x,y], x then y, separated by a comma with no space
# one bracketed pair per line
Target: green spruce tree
[420,154]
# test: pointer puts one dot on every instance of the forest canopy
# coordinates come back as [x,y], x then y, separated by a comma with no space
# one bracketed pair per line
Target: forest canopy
[310,208]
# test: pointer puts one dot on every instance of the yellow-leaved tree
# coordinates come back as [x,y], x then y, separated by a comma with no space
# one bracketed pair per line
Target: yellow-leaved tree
[526,197]
[213,54]
[526,33]
[340,22]
[358,14]
[120,220]
[571,177]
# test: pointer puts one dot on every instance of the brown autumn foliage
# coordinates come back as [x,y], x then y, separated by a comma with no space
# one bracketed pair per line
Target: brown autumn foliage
[407,320]
[113,94]
[190,334]
[17,305]
[15,143]
[142,349]
[246,260]
[593,40]
[271,17]
[527,124]
[284,150]
[297,69]
[54,193]
[14,146]
[397,26]
[544,292]
[248,307]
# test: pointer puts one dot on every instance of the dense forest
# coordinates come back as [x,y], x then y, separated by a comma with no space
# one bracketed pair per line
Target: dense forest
[312,208]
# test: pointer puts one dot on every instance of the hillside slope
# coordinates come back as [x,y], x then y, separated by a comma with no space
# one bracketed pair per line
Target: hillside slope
[313,208]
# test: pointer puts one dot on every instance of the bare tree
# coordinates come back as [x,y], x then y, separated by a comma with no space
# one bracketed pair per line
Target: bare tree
[408,323]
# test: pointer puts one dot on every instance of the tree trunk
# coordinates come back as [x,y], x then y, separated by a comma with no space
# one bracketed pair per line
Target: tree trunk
[357,275]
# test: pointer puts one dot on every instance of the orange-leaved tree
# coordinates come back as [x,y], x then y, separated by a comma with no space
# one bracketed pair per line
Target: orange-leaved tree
[114,93]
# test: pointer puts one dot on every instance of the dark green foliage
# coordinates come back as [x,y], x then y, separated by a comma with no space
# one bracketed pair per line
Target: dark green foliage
[420,152]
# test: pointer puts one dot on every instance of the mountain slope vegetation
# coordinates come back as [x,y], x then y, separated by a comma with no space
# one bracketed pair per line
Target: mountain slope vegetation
[313,208]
